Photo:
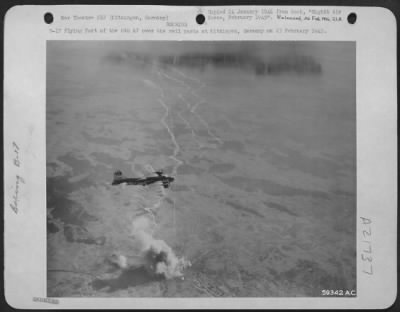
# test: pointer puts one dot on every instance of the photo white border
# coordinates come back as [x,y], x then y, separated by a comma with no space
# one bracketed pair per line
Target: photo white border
[25,235]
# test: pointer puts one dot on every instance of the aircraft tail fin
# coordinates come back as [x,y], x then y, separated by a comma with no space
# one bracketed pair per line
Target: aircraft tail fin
[118,177]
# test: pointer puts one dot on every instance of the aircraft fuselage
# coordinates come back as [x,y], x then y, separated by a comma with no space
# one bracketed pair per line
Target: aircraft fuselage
[165,180]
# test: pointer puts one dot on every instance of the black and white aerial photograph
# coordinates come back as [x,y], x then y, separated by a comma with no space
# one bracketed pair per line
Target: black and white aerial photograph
[201,168]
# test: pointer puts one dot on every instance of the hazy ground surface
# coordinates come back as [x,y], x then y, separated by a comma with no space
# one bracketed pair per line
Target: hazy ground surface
[263,203]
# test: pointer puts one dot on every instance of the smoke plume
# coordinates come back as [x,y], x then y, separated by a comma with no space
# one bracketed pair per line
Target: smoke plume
[158,257]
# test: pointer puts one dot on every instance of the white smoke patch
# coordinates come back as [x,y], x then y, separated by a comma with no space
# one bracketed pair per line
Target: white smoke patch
[122,261]
[158,257]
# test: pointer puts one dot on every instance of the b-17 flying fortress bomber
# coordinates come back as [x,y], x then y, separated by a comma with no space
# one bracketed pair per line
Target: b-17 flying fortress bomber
[119,178]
